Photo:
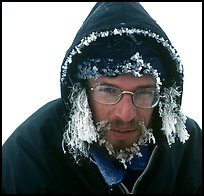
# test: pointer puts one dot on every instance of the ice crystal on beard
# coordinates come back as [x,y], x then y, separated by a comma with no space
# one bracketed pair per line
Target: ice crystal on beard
[124,156]
[173,120]
[102,127]
[80,131]
[147,134]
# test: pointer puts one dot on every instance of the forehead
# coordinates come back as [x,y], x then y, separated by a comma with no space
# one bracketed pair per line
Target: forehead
[126,81]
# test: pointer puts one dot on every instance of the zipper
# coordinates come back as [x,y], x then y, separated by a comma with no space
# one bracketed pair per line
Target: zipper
[145,171]
[124,189]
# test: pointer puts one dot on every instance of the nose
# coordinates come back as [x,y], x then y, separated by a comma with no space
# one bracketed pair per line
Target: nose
[125,109]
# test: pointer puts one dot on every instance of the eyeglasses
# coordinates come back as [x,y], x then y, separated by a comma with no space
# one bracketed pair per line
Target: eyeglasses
[142,98]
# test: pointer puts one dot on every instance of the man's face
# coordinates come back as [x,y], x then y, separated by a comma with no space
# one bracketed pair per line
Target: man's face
[124,115]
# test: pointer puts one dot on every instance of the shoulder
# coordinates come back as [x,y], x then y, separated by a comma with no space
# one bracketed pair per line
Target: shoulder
[43,125]
[50,113]
[51,109]
[193,129]
[191,123]
[31,155]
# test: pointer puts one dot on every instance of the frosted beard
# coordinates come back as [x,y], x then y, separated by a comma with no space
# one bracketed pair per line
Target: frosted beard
[124,155]
[80,132]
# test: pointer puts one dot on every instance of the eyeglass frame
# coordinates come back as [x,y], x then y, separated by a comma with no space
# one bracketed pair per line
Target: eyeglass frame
[127,92]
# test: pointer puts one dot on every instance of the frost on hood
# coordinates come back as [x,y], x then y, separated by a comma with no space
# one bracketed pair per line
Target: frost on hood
[86,41]
[80,130]
[173,120]
[135,66]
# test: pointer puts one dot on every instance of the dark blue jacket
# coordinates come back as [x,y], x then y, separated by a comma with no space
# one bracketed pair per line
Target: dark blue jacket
[33,161]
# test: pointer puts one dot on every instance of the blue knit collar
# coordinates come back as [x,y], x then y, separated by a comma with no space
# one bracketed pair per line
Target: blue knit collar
[114,174]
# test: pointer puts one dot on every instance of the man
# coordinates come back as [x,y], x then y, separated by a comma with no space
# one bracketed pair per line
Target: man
[118,126]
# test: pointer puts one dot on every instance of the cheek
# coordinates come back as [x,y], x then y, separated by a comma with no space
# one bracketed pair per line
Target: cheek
[100,111]
[148,116]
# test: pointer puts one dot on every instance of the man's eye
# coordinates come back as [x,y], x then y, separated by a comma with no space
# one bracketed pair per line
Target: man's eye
[147,92]
[108,90]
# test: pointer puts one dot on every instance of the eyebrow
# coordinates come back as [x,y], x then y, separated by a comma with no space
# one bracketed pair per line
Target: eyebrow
[147,86]
[138,87]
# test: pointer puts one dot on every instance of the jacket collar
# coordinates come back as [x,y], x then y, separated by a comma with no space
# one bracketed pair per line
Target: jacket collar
[113,173]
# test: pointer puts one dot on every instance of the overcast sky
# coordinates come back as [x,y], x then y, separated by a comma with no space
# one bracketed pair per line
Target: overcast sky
[36,35]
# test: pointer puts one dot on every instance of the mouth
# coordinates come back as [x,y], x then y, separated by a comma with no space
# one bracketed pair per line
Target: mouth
[122,134]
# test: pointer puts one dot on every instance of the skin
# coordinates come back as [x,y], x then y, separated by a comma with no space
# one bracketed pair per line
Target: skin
[124,115]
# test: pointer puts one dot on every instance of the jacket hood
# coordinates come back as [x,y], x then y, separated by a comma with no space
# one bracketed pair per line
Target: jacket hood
[117,37]
[121,19]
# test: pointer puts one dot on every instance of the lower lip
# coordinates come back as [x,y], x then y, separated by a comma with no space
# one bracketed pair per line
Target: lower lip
[122,135]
